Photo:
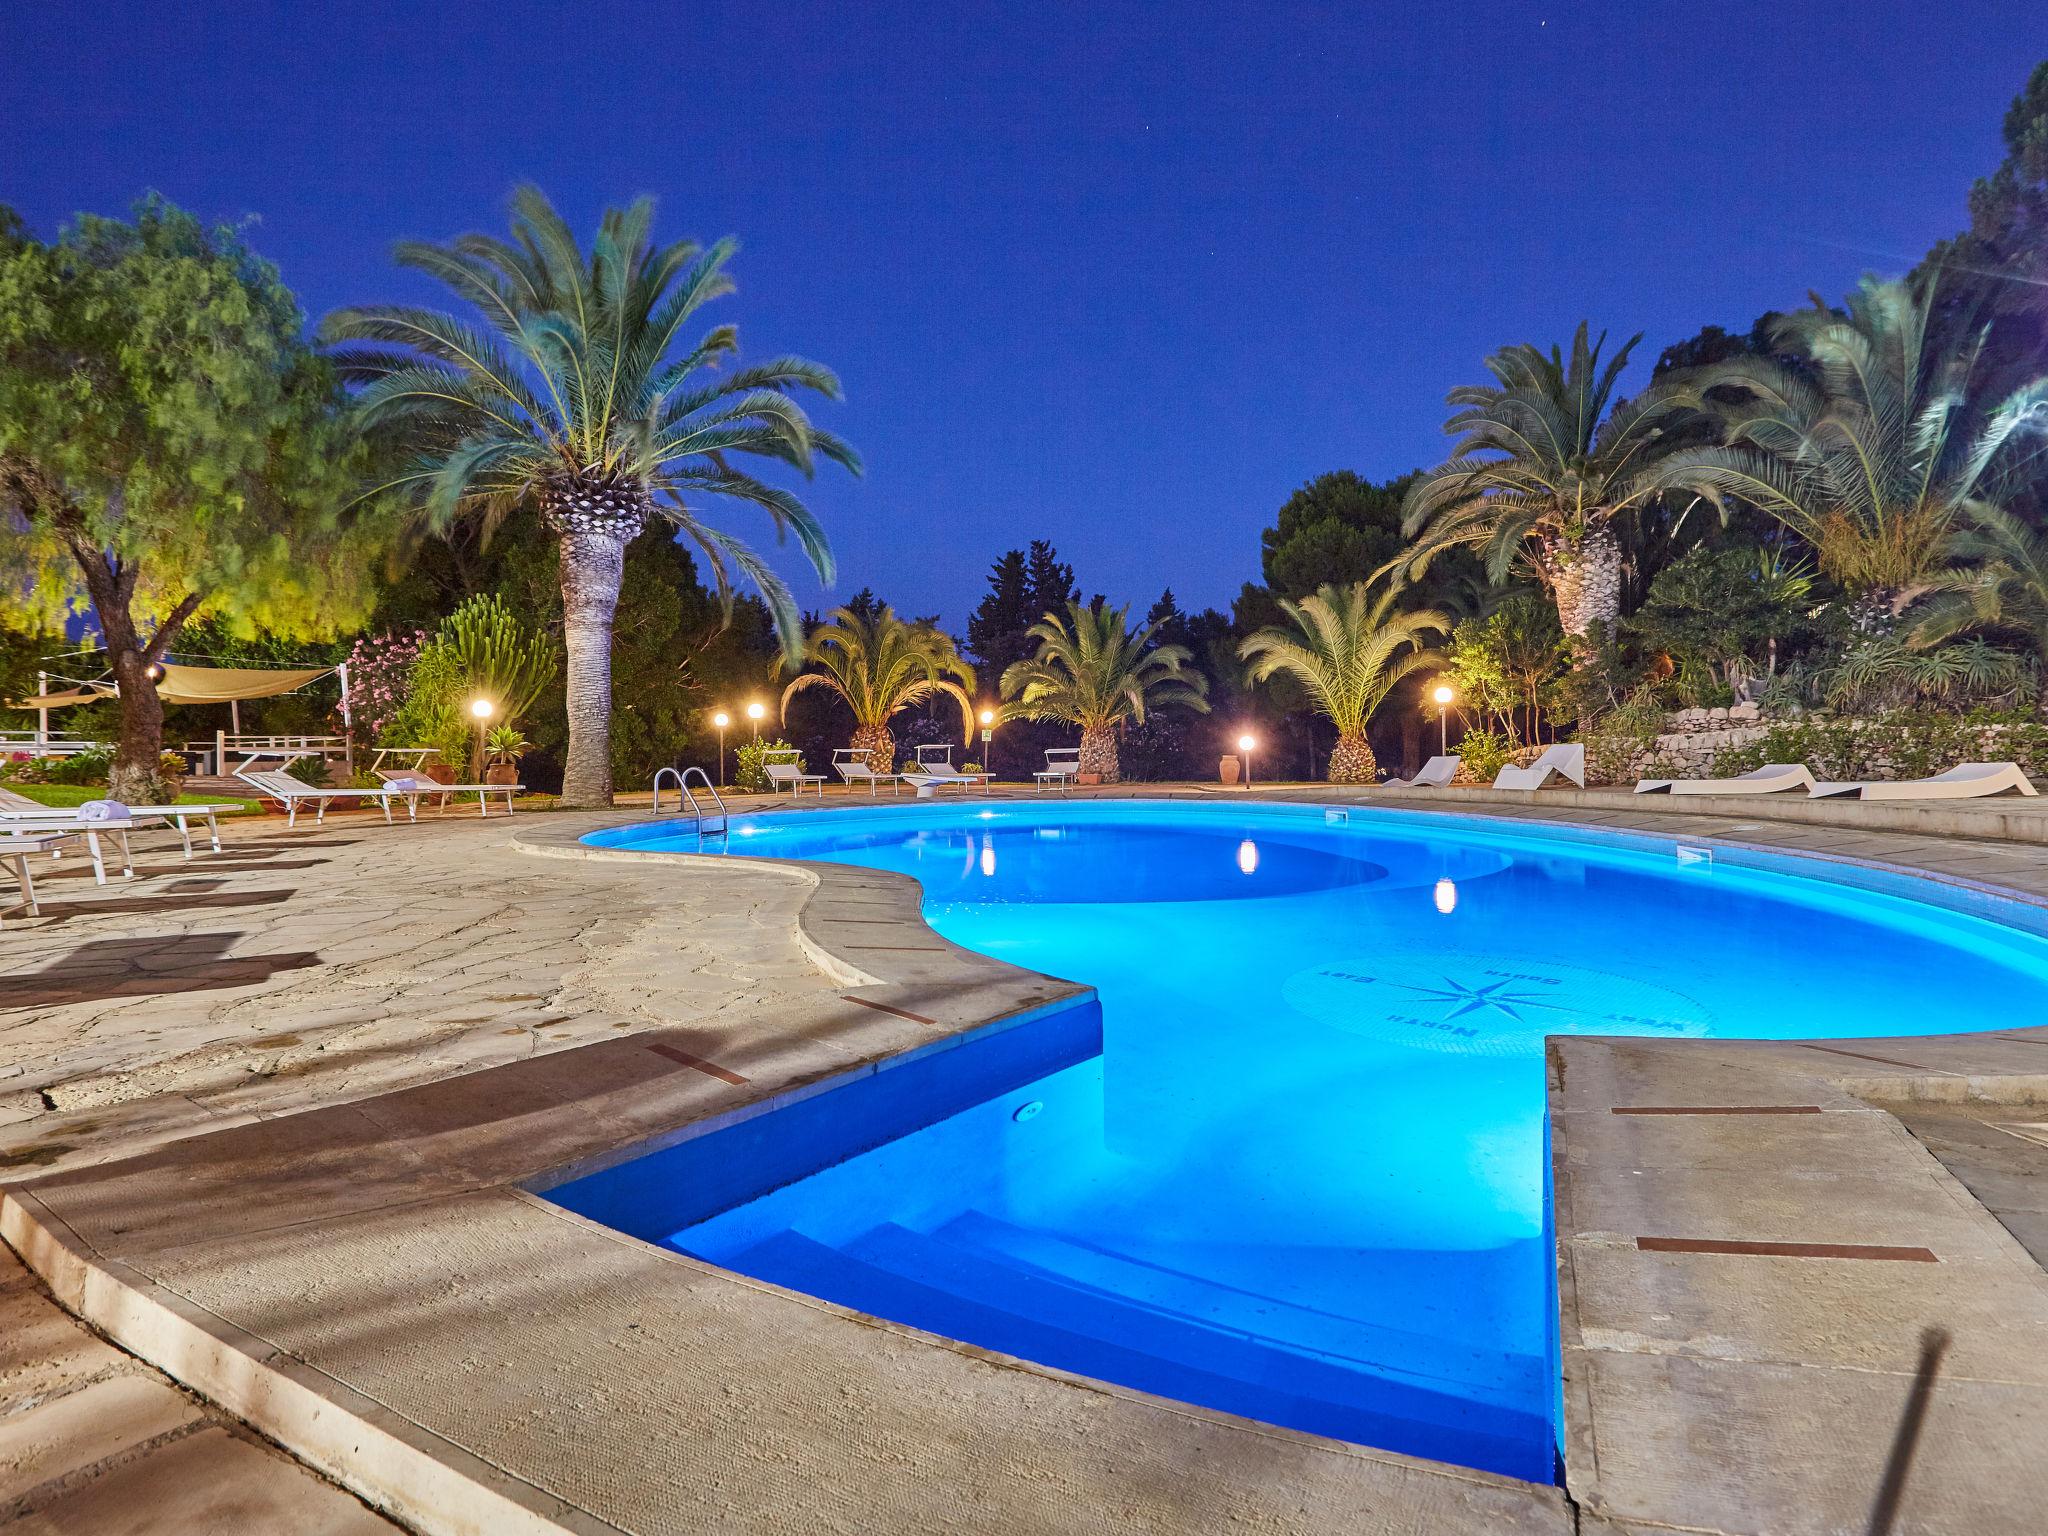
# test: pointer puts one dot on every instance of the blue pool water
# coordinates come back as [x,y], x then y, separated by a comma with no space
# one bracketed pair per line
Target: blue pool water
[1303,1177]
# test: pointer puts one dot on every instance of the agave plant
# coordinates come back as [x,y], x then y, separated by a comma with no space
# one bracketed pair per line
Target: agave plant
[578,396]
[1347,650]
[1092,670]
[1545,463]
[1881,458]
[880,666]
[1998,580]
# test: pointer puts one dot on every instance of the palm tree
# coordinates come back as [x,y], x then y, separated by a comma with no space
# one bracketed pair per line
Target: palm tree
[881,665]
[1543,464]
[576,396]
[1094,671]
[1347,650]
[1998,580]
[1880,456]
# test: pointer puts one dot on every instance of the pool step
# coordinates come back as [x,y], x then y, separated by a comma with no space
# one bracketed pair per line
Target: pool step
[912,1278]
[1493,1375]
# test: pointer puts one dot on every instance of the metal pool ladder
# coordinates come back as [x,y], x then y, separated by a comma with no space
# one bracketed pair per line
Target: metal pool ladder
[683,785]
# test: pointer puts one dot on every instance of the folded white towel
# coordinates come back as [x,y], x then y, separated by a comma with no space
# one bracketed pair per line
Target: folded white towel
[407,785]
[103,810]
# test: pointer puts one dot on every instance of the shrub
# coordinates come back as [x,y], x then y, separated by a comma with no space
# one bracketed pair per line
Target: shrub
[750,771]
[1485,753]
[1622,738]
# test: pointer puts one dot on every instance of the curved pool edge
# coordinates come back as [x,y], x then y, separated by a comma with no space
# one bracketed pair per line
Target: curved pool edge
[1854,1083]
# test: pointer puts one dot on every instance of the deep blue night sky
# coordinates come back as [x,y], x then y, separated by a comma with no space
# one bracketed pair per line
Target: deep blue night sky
[1119,276]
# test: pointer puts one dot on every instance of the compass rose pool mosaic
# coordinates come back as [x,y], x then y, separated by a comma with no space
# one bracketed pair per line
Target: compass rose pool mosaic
[1294,1166]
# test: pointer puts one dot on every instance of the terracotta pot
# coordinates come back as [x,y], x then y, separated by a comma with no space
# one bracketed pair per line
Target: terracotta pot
[440,773]
[1226,769]
[1087,778]
[502,773]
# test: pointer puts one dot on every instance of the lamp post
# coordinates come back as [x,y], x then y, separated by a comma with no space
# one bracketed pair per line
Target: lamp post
[988,738]
[480,710]
[721,720]
[755,711]
[1443,697]
[1245,745]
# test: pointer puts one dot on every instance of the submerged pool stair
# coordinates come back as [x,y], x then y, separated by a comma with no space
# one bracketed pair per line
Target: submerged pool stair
[984,1282]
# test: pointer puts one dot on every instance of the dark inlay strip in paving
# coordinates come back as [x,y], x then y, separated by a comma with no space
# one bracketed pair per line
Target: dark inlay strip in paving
[708,1068]
[1890,1061]
[1785,1250]
[919,949]
[1716,1109]
[901,1013]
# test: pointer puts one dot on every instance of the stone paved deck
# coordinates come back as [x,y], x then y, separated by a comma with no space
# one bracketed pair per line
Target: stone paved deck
[536,1373]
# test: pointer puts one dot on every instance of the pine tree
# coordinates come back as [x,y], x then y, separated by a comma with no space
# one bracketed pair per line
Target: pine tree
[995,630]
[1048,582]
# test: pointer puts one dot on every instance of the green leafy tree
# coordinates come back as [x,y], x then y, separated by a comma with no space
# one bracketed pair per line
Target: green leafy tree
[1502,665]
[169,449]
[577,396]
[880,666]
[1347,649]
[1879,461]
[1336,529]
[1719,614]
[1546,463]
[1094,671]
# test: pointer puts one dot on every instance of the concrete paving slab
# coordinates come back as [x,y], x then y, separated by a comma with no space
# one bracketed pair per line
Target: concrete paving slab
[207,1484]
[70,1433]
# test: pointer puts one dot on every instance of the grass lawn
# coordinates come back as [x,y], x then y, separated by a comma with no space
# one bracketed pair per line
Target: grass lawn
[63,796]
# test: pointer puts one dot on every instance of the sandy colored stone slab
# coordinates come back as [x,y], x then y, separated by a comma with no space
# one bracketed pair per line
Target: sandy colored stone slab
[206,1484]
[1793,1450]
[44,1350]
[69,1433]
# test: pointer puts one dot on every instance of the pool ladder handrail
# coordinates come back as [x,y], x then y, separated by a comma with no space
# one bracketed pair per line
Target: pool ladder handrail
[683,785]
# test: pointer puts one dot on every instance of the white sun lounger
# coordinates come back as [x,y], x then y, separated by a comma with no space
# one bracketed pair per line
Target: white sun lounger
[787,773]
[422,786]
[926,784]
[1771,779]
[1965,781]
[276,784]
[854,768]
[1437,773]
[18,849]
[1062,766]
[179,816]
[1566,760]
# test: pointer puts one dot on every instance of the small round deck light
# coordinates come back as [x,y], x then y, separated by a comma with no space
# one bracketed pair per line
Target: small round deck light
[1446,896]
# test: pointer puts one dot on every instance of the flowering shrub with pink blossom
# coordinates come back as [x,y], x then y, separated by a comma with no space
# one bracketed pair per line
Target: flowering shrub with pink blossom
[380,677]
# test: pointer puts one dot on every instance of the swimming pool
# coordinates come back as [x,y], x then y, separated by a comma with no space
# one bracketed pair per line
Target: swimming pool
[1300,1175]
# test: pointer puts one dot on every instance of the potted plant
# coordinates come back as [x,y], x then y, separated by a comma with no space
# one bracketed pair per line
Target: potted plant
[503,746]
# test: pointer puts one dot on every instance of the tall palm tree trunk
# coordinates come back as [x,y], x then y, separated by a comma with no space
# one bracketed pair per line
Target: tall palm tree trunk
[593,564]
[1098,752]
[1352,761]
[1584,576]
[876,745]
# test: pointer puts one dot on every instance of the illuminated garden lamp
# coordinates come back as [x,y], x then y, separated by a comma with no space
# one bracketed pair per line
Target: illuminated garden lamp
[988,736]
[1244,746]
[719,722]
[1443,697]
[755,711]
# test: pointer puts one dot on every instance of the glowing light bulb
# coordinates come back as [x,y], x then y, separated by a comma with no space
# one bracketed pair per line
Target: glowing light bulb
[1446,896]
[1248,856]
[1443,694]
[721,719]
[481,708]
